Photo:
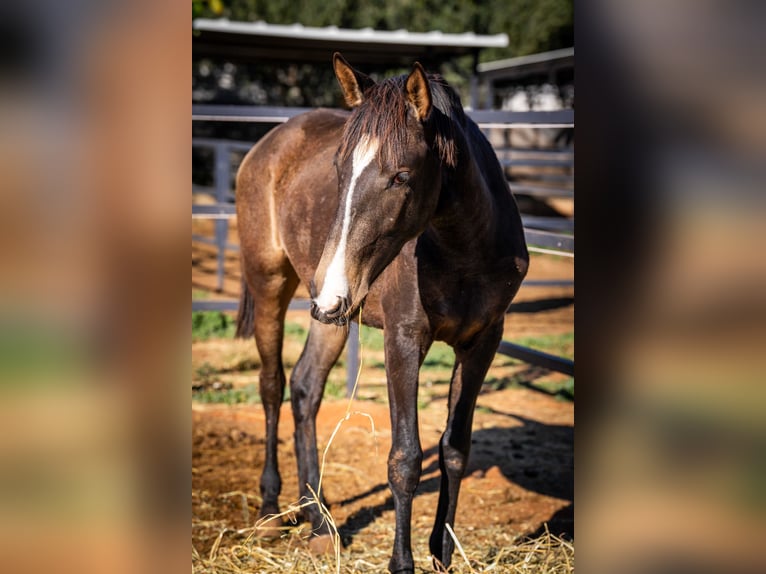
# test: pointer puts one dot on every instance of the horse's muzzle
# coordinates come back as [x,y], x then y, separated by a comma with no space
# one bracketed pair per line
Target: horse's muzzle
[337,315]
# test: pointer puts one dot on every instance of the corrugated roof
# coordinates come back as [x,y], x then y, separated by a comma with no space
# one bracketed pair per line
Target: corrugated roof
[331,33]
[262,41]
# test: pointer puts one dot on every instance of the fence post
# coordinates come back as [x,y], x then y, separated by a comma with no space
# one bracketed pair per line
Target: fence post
[352,356]
[222,182]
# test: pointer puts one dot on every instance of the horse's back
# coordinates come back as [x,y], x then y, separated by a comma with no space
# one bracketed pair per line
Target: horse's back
[287,190]
[288,150]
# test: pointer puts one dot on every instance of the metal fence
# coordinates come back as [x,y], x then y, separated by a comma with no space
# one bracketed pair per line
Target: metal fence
[543,234]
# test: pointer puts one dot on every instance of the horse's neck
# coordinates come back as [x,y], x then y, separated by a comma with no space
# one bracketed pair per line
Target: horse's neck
[466,219]
[477,213]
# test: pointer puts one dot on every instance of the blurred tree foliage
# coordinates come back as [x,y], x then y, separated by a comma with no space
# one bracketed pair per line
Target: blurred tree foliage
[532,25]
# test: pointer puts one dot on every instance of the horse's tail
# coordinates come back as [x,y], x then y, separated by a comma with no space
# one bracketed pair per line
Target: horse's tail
[246,313]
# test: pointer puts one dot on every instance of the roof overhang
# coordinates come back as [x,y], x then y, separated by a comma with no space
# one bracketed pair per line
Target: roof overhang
[522,66]
[259,41]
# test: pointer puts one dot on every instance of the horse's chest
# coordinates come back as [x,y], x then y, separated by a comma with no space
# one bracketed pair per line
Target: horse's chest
[459,307]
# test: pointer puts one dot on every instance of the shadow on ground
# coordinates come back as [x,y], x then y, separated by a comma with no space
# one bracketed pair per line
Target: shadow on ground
[535,456]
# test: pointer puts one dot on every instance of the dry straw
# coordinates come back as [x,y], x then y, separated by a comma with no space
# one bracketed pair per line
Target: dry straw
[546,554]
[315,498]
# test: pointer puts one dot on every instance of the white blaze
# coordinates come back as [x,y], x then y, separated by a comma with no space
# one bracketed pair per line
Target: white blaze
[335,282]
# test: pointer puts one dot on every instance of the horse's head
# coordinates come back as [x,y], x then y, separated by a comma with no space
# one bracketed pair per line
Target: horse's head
[389,180]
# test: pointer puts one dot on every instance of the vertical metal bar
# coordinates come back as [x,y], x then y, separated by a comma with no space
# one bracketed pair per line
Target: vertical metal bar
[221,231]
[474,89]
[474,82]
[352,357]
[222,183]
[490,103]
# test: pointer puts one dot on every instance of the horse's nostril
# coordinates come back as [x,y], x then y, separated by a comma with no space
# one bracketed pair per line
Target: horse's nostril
[341,304]
[335,314]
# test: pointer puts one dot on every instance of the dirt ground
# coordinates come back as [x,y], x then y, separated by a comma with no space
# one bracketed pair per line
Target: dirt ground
[520,474]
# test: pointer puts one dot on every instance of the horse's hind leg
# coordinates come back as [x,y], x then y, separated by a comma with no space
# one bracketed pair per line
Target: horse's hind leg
[323,347]
[272,289]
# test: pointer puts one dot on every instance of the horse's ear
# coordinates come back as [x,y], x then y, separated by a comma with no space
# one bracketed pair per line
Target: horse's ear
[352,82]
[419,91]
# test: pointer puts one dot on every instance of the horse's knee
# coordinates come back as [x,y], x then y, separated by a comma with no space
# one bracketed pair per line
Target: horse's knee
[304,400]
[404,469]
[454,460]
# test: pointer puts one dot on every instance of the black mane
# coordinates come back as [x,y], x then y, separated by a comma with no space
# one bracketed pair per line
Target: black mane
[383,115]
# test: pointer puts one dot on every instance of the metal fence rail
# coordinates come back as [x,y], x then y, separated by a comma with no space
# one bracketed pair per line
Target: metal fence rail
[278,114]
[543,234]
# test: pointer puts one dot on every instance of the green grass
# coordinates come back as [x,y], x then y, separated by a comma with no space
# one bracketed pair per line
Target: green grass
[560,344]
[437,366]
[230,396]
[440,356]
[212,324]
[372,339]
[208,388]
[217,324]
[294,330]
[561,389]
[205,373]
[336,385]
[248,395]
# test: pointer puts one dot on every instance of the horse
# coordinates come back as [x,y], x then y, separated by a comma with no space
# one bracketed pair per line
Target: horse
[400,208]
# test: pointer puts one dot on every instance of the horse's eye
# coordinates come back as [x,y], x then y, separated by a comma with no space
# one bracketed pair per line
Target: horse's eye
[401,178]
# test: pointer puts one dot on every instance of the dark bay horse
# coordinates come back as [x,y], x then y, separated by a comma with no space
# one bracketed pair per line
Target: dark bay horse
[400,207]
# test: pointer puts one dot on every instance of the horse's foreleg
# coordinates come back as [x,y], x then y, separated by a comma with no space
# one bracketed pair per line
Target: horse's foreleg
[471,366]
[404,354]
[323,347]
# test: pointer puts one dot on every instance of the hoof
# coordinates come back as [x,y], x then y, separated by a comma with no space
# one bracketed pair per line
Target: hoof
[322,544]
[269,528]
